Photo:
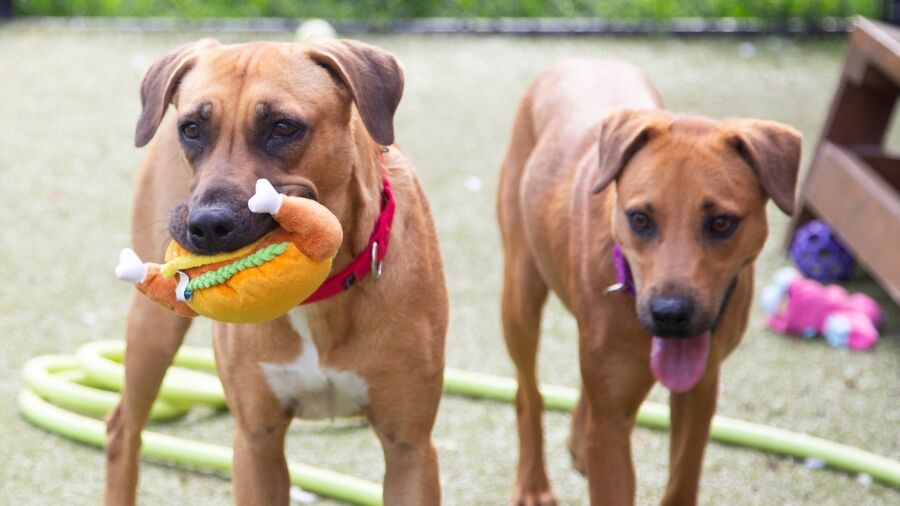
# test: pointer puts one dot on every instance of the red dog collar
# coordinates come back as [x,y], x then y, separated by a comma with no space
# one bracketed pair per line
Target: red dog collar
[370,259]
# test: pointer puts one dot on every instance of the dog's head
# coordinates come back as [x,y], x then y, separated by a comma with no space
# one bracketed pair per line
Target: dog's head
[279,111]
[690,207]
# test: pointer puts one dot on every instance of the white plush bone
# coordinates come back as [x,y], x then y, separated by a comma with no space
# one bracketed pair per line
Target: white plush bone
[130,267]
[266,199]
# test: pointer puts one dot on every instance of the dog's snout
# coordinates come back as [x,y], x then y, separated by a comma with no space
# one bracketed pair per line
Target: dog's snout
[211,229]
[671,315]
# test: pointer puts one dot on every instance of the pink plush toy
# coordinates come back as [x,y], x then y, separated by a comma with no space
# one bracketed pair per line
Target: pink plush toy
[804,307]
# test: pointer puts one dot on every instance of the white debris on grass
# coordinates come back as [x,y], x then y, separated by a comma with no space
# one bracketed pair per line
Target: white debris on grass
[89,318]
[814,463]
[302,496]
[474,184]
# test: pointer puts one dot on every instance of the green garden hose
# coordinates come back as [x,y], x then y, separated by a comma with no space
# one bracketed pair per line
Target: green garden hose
[192,453]
[58,383]
[723,430]
[87,384]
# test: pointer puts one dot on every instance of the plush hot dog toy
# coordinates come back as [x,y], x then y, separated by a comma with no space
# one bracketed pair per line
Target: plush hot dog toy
[254,284]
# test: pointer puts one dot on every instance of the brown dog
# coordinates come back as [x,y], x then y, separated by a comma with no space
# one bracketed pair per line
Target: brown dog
[594,163]
[314,120]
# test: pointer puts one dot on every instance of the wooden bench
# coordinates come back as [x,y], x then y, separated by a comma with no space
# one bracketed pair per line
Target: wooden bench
[853,183]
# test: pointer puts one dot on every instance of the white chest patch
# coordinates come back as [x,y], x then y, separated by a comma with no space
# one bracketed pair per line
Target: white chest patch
[310,390]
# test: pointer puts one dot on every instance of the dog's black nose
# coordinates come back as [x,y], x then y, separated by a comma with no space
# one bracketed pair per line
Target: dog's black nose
[671,315]
[211,229]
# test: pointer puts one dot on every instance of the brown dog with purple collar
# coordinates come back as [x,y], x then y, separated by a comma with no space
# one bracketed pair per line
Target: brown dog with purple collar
[594,166]
[317,121]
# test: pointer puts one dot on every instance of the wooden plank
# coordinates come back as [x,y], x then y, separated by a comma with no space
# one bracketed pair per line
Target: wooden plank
[861,71]
[886,168]
[879,43]
[861,208]
[859,115]
[875,151]
[863,104]
[884,161]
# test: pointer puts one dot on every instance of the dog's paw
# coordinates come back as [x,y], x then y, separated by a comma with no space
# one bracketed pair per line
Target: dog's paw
[130,267]
[536,497]
[266,199]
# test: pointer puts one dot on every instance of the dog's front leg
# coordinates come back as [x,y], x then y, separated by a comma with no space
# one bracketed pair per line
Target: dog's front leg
[616,380]
[153,335]
[692,412]
[260,473]
[402,410]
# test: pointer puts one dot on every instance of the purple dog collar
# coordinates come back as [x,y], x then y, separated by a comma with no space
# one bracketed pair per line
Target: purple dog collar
[624,281]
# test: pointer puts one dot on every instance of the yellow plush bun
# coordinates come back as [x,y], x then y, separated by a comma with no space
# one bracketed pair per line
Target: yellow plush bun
[252,285]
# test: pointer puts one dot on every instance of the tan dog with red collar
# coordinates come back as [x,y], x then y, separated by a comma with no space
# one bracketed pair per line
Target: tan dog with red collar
[593,163]
[313,120]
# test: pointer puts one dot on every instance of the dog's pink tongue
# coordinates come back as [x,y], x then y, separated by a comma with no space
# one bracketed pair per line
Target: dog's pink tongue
[679,363]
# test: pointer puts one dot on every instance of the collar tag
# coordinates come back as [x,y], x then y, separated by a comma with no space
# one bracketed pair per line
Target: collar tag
[377,264]
[618,287]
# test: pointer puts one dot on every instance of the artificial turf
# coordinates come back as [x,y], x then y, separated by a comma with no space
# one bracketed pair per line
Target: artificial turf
[68,105]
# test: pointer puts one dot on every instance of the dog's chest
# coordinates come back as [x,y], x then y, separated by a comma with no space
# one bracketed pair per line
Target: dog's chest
[310,390]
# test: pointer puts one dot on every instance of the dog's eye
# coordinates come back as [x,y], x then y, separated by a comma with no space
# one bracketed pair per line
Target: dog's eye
[640,222]
[283,130]
[721,227]
[190,130]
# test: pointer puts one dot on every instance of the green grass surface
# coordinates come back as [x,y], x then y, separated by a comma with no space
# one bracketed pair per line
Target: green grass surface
[68,104]
[364,9]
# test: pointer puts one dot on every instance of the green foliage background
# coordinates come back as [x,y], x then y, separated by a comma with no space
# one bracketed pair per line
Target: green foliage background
[347,9]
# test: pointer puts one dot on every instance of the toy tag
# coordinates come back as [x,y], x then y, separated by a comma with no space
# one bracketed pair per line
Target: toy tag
[181,292]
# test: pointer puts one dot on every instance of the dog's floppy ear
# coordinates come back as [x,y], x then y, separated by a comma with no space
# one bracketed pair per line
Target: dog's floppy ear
[622,134]
[373,76]
[772,150]
[159,86]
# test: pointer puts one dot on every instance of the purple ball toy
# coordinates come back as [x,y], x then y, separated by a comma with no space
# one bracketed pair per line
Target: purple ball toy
[819,255]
